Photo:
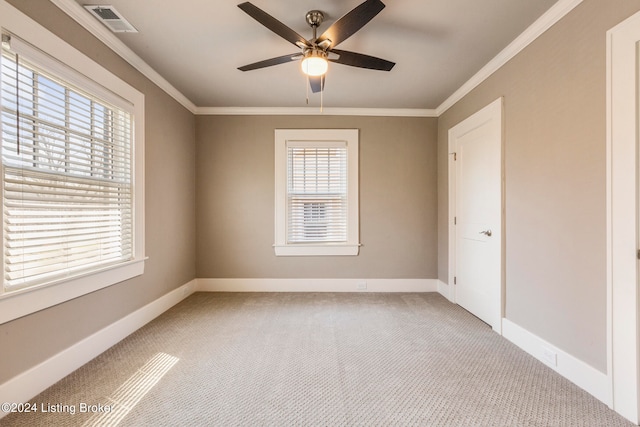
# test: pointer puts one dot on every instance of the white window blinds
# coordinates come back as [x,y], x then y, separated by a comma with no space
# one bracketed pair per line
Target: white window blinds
[67,174]
[317,192]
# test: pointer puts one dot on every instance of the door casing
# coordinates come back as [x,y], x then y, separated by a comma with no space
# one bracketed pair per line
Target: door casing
[623,295]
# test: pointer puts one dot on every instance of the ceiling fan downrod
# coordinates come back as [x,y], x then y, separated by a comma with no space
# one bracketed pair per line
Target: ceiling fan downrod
[314,19]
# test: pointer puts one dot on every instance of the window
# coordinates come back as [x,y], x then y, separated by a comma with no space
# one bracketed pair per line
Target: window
[317,192]
[71,204]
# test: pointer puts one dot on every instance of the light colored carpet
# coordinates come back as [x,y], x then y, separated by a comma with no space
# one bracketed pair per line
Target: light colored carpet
[318,359]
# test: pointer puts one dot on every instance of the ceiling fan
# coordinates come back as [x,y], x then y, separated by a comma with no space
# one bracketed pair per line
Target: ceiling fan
[317,52]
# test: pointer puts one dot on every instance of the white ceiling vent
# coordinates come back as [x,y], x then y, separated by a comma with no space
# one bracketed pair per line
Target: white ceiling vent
[110,17]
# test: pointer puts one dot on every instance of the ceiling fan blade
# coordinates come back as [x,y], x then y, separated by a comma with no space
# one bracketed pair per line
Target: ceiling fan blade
[273,61]
[361,61]
[316,83]
[344,27]
[274,25]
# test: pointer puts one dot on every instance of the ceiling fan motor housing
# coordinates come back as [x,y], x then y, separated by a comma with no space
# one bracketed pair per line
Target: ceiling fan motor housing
[315,18]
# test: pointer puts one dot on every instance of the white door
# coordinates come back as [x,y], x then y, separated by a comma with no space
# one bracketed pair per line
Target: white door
[477,144]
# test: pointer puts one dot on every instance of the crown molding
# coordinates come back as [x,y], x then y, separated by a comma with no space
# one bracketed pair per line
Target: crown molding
[542,24]
[548,19]
[314,111]
[84,18]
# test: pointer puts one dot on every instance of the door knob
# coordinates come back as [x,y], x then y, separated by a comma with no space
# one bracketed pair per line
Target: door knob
[486,233]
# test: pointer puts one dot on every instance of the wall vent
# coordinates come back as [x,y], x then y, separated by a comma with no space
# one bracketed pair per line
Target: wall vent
[110,17]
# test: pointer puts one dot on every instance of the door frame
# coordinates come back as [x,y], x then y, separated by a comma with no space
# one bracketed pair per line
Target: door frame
[492,112]
[623,122]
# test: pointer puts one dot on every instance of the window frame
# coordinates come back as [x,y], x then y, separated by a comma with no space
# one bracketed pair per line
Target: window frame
[323,137]
[76,68]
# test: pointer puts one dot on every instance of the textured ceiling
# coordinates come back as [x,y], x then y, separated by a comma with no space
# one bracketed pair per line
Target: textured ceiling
[437,45]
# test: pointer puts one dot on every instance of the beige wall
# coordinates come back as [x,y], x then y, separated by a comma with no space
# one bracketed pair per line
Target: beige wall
[554,118]
[235,197]
[170,217]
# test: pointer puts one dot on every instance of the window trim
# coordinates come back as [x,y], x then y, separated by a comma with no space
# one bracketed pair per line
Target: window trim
[352,246]
[22,302]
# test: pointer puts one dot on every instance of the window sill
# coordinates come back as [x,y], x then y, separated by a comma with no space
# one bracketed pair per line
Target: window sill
[19,303]
[317,250]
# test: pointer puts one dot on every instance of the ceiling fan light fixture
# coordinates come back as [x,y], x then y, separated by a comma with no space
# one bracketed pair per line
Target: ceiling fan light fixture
[315,63]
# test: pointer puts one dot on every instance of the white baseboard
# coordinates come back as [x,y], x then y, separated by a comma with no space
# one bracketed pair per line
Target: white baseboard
[24,386]
[317,285]
[575,370]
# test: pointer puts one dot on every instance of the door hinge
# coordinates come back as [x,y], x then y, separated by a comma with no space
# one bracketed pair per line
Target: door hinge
[455,280]
[638,254]
[455,156]
[455,220]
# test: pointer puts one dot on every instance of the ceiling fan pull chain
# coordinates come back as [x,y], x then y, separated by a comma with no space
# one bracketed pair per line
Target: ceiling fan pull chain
[321,92]
[307,85]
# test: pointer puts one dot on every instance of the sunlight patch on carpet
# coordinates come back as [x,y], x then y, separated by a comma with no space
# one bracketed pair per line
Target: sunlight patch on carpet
[127,396]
